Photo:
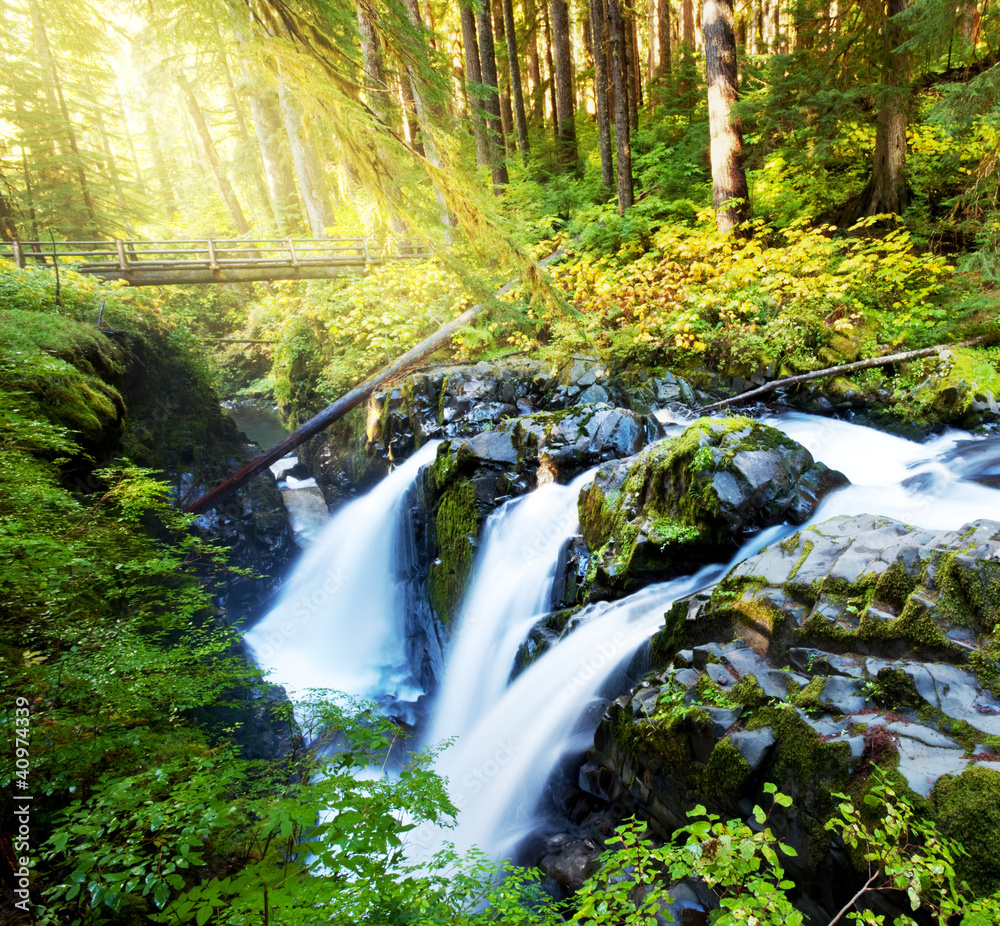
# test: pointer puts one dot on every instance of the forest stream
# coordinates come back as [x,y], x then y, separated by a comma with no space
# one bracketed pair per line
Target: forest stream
[521,734]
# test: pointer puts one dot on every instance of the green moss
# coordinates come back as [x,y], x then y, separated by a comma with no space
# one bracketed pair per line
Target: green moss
[894,586]
[726,774]
[894,689]
[984,664]
[808,697]
[802,760]
[748,693]
[807,548]
[969,593]
[968,809]
[457,525]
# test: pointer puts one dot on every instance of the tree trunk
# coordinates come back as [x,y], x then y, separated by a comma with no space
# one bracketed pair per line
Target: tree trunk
[474,78]
[534,65]
[488,63]
[600,27]
[663,36]
[633,110]
[160,165]
[48,62]
[28,190]
[429,146]
[559,17]
[277,169]
[116,180]
[8,218]
[221,178]
[551,71]
[517,90]
[503,75]
[729,181]
[619,77]
[376,88]
[312,183]
[887,190]
[636,69]
[123,119]
[410,116]
[243,133]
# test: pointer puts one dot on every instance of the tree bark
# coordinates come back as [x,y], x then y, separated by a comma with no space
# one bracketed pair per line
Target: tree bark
[208,145]
[663,36]
[474,78]
[243,133]
[633,21]
[159,165]
[123,119]
[559,17]
[277,169]
[48,60]
[887,190]
[551,71]
[517,90]
[503,76]
[619,78]
[410,116]
[429,145]
[534,65]
[116,180]
[600,27]
[729,181]
[8,218]
[488,63]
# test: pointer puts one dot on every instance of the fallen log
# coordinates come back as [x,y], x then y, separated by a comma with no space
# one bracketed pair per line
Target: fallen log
[846,368]
[350,400]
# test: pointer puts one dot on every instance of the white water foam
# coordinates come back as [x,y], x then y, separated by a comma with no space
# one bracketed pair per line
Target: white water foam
[339,620]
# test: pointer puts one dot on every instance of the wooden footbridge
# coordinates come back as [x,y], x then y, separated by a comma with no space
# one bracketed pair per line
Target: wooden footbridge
[165,263]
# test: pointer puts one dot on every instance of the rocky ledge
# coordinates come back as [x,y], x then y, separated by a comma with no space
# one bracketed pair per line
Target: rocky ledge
[856,644]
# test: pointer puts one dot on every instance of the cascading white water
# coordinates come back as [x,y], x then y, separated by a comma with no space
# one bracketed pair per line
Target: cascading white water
[919,484]
[498,770]
[341,611]
[339,620]
[509,591]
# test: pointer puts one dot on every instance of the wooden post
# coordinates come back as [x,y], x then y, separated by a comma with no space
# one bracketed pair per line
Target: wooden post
[122,259]
[291,250]
[18,254]
[213,264]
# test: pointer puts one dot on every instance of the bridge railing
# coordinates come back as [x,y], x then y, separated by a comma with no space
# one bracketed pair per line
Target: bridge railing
[202,253]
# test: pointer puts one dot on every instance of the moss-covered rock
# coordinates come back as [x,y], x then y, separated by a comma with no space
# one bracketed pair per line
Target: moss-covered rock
[693,498]
[968,810]
[466,482]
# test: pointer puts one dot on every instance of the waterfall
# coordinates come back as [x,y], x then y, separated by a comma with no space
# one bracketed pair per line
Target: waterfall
[339,622]
[510,589]
[498,770]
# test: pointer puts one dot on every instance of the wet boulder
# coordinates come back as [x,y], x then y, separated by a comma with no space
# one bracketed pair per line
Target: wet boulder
[695,497]
[855,644]
[454,401]
[563,444]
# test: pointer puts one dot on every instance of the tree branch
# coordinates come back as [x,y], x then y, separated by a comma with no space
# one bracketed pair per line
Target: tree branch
[846,368]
